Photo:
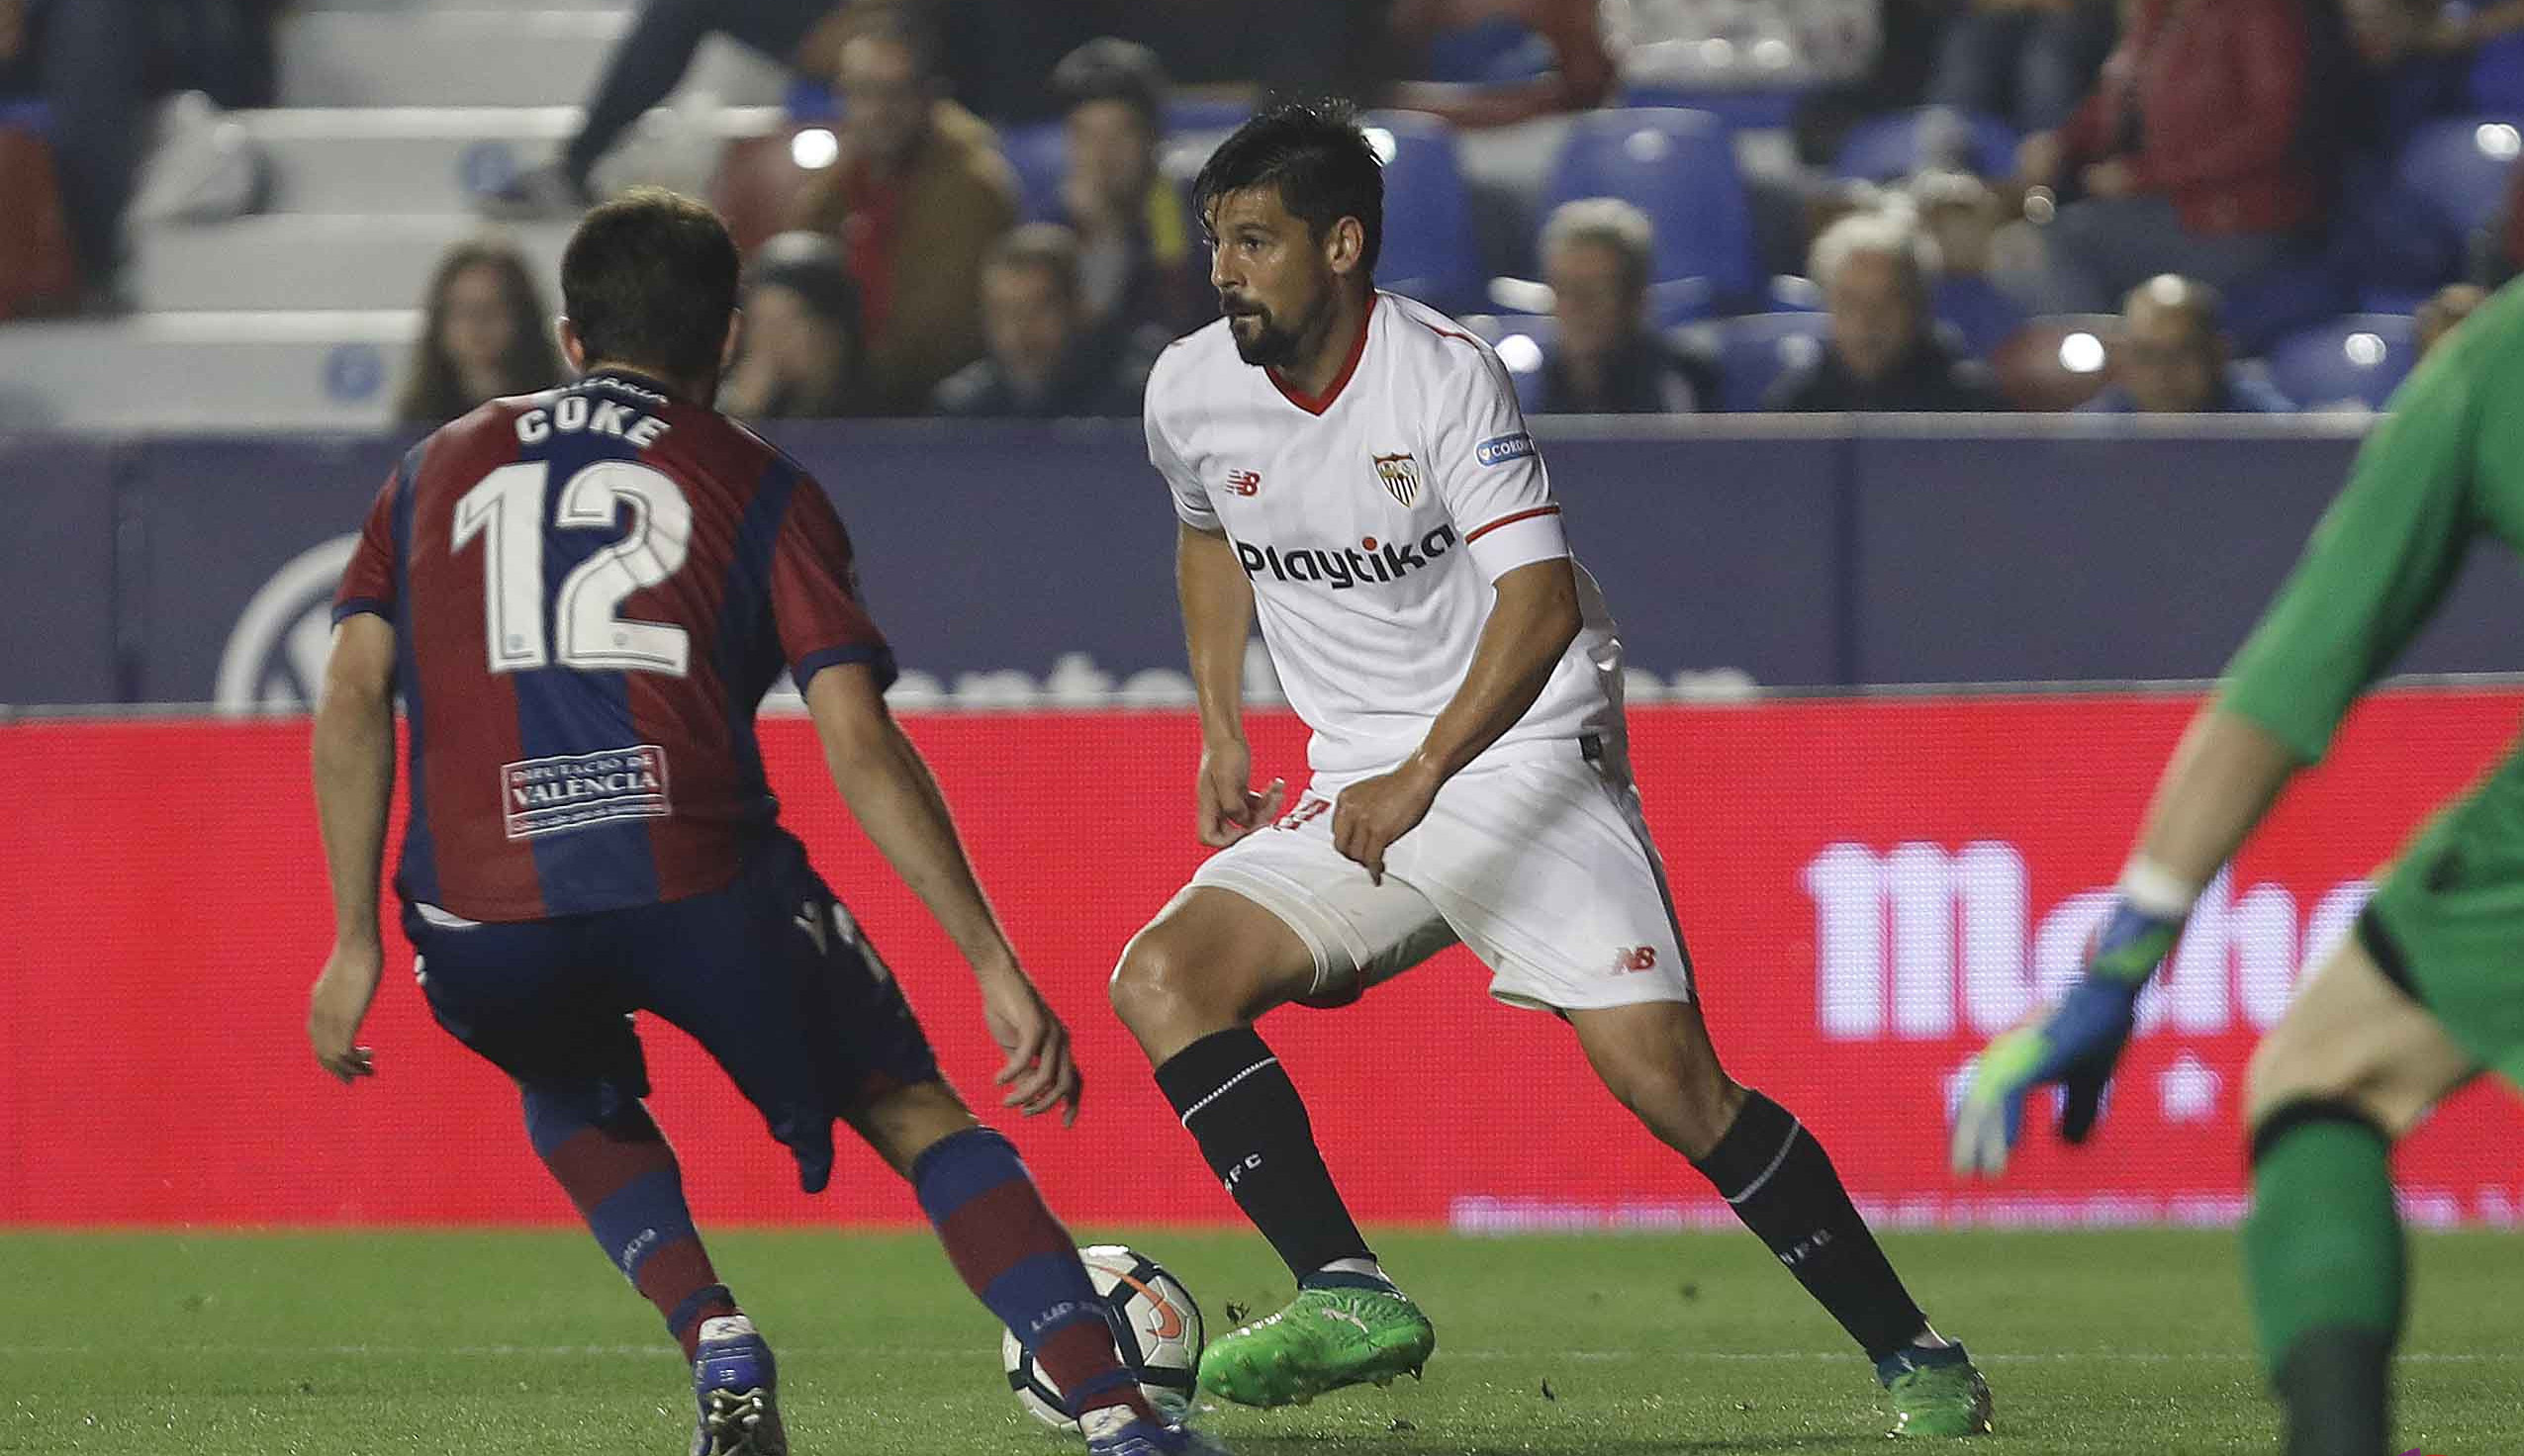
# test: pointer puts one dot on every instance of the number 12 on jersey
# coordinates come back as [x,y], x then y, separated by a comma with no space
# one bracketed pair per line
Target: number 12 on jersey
[507,511]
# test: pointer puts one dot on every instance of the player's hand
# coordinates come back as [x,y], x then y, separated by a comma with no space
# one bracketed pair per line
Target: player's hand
[2112,178]
[340,1003]
[1042,1071]
[2038,158]
[1372,813]
[2076,1045]
[1229,808]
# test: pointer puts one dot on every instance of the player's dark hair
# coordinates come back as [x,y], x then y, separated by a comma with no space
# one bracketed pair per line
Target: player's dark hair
[1110,68]
[649,280]
[1315,153]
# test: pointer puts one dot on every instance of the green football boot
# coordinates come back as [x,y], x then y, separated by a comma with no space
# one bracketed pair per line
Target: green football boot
[1326,1339]
[1936,1393]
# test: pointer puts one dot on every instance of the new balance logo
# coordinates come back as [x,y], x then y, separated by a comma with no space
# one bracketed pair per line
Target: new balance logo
[1635,959]
[1244,482]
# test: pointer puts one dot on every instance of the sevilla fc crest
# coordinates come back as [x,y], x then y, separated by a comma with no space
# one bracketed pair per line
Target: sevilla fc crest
[1401,475]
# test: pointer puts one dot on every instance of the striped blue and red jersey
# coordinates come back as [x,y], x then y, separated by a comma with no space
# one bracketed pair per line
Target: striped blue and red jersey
[591,591]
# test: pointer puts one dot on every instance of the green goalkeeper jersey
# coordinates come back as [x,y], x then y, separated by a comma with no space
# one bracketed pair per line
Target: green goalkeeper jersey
[2446,466]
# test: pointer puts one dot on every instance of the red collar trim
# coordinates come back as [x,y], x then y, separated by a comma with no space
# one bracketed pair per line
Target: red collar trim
[1317,404]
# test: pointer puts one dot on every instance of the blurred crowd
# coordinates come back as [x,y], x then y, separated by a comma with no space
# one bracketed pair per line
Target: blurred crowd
[2089,194]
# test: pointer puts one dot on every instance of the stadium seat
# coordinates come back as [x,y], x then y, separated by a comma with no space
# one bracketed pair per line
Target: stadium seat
[1977,311]
[2374,240]
[2495,83]
[1522,339]
[2392,299]
[1739,110]
[1039,155]
[1678,167]
[1428,250]
[1794,293]
[2056,361]
[1198,115]
[2455,171]
[26,114]
[1497,51]
[2356,359]
[1754,350]
[1899,144]
[1675,300]
[2296,289]
[809,100]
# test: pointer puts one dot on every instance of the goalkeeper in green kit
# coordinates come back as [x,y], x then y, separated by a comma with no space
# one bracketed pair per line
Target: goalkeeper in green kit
[2428,994]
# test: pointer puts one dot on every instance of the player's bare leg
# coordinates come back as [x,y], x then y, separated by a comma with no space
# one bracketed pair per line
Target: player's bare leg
[1017,1259]
[2349,1069]
[1189,987]
[1655,1057]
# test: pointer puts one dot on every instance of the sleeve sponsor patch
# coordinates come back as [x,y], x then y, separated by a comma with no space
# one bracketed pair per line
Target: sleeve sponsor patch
[1505,448]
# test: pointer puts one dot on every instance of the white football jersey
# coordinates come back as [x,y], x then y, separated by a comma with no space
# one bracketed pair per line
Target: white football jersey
[1371,522]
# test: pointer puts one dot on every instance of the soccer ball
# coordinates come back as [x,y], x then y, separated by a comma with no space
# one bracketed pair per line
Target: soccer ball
[1156,1326]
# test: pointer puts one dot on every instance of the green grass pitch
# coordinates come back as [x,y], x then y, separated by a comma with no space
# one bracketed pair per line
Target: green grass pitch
[361,1344]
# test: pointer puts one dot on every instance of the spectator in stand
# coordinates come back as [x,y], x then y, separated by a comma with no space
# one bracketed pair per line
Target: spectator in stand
[2028,62]
[1140,263]
[800,351]
[1581,79]
[1964,217]
[2171,358]
[2197,153]
[915,199]
[1044,361]
[1876,270]
[2416,52]
[487,335]
[2444,309]
[645,67]
[97,64]
[1607,360]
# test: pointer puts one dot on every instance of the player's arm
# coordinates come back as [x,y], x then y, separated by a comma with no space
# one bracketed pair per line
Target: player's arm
[1530,629]
[896,799]
[1217,618]
[2371,575]
[354,768]
[1487,473]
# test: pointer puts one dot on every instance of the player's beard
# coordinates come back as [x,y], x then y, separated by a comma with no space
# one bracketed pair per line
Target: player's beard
[1272,344]
[1260,341]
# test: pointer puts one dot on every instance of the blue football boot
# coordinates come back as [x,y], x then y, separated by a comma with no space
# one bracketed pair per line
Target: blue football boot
[736,1382]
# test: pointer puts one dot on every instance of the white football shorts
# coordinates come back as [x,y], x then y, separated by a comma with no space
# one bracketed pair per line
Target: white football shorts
[1542,865]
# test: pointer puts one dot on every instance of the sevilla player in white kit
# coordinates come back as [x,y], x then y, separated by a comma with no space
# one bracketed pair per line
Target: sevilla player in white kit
[1352,468]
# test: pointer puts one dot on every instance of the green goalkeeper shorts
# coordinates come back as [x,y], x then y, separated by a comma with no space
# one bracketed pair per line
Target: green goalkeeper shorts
[2447,922]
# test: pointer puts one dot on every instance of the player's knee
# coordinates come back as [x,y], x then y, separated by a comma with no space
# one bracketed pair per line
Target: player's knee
[2291,1067]
[1688,1106]
[1150,983]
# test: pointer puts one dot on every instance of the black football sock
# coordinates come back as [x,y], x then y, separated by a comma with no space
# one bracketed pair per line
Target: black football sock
[1236,1101]
[1782,1185]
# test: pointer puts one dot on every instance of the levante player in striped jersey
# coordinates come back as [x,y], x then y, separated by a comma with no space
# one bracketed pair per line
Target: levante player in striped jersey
[582,596]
